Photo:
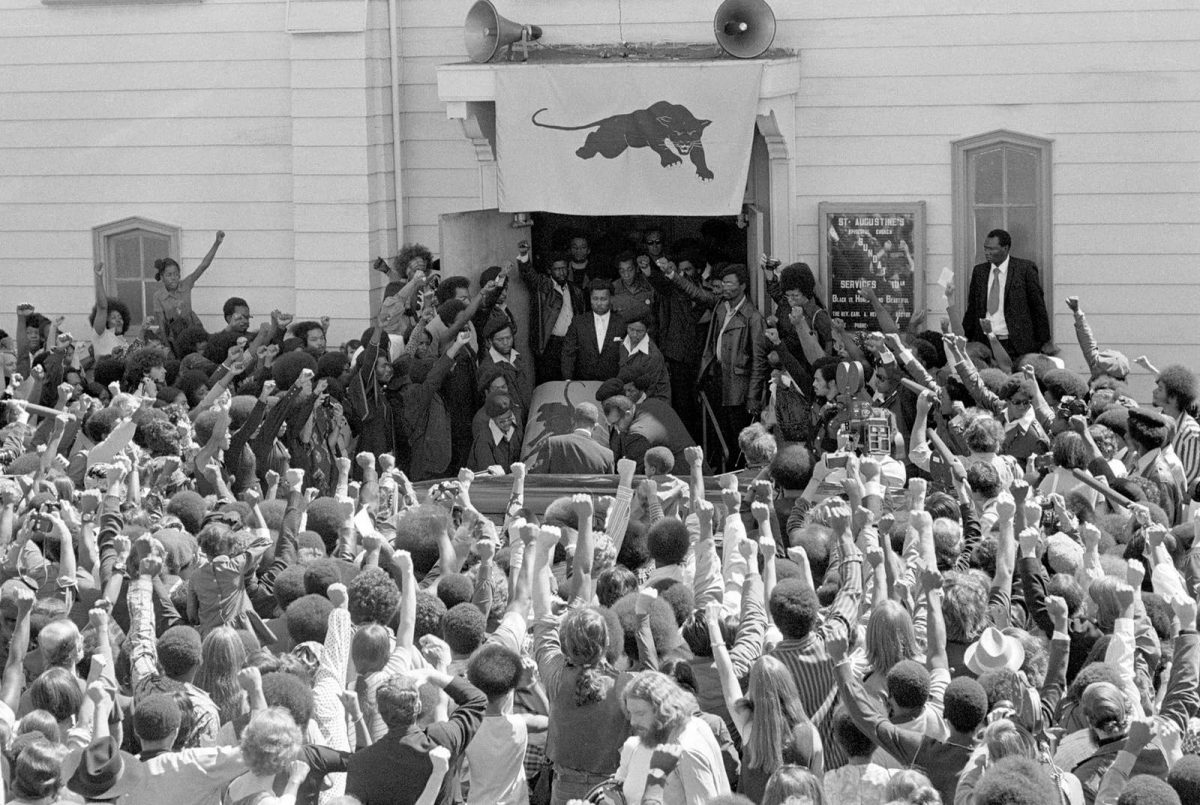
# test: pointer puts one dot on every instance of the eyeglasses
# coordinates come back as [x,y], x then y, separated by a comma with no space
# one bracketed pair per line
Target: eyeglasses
[653,242]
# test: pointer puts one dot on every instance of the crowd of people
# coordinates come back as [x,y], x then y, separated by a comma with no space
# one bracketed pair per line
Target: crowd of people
[932,569]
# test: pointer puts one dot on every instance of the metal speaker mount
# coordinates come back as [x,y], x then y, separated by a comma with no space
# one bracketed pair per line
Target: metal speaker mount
[744,29]
[486,32]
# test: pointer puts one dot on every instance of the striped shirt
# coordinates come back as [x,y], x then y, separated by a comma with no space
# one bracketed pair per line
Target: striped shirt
[1187,446]
[811,666]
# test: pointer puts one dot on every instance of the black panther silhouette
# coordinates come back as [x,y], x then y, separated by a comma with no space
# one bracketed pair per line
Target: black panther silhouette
[649,128]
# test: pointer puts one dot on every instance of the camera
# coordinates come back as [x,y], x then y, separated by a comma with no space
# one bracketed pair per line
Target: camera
[1070,406]
[866,430]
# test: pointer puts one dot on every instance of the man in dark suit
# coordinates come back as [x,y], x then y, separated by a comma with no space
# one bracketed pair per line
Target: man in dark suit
[592,348]
[1006,293]
[577,452]
[395,768]
[638,426]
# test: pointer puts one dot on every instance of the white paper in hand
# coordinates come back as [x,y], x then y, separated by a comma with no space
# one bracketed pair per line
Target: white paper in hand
[363,523]
[946,278]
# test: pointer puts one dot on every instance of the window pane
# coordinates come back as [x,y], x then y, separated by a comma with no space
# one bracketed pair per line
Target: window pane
[989,177]
[986,219]
[1022,225]
[1022,177]
[126,256]
[154,248]
[130,292]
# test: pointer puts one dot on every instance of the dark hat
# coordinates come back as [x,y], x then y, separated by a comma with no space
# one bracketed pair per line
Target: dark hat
[105,772]
[636,313]
[497,403]
[610,388]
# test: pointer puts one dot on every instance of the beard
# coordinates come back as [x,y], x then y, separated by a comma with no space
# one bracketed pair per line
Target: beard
[654,736]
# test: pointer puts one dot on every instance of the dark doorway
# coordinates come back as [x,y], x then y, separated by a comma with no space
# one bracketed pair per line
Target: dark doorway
[719,239]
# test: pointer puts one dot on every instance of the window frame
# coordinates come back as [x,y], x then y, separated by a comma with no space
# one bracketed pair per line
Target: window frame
[100,239]
[962,220]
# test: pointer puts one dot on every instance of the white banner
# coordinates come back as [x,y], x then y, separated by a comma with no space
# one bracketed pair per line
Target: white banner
[630,138]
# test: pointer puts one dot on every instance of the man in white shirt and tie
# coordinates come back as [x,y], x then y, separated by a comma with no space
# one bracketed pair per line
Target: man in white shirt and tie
[592,348]
[1006,300]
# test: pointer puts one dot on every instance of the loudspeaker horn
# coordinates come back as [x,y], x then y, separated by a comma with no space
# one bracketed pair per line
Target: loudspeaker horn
[486,32]
[744,28]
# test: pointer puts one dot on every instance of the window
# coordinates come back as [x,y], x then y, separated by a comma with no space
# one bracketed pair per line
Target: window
[1002,181]
[129,249]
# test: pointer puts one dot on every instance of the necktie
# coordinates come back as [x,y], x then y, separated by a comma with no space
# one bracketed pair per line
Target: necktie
[993,301]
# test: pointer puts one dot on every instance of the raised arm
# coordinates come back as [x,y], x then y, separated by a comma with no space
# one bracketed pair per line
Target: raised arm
[582,586]
[191,279]
[731,691]
[100,320]
[14,667]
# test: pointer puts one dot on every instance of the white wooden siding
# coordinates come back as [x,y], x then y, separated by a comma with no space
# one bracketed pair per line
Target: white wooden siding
[211,116]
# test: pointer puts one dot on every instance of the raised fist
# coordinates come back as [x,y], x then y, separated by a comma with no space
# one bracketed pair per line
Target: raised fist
[249,679]
[338,595]
[365,460]
[583,507]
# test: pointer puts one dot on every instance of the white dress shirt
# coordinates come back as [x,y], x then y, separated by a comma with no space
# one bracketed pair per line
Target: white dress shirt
[999,325]
[500,435]
[601,329]
[730,312]
[565,313]
[643,346]
[498,358]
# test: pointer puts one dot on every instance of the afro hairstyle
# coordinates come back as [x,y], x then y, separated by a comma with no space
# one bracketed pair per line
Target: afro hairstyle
[853,741]
[1060,383]
[662,625]
[418,531]
[1184,777]
[286,369]
[179,650]
[308,618]
[464,628]
[286,690]
[495,670]
[190,508]
[964,704]
[273,512]
[635,552]
[678,596]
[794,608]
[156,717]
[908,683]
[668,541]
[325,516]
[100,423]
[321,573]
[430,612]
[1145,789]
[289,585]
[374,597]
[455,589]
